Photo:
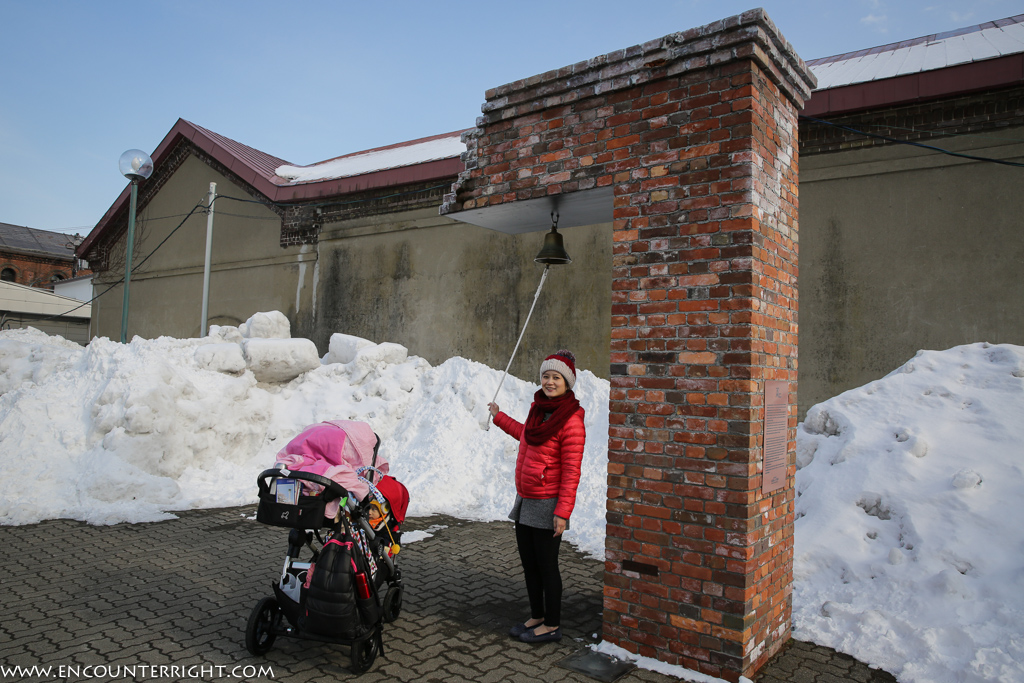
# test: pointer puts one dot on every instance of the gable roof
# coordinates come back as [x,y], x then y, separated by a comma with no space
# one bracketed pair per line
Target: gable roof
[981,57]
[34,242]
[248,158]
[318,181]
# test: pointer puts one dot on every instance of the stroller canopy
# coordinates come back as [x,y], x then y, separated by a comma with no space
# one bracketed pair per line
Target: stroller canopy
[336,449]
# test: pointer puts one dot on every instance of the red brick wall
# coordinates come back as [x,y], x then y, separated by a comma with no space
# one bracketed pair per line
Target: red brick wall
[35,271]
[929,122]
[704,310]
[696,134]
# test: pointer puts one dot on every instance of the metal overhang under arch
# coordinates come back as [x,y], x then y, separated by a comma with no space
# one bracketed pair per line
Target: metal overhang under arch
[583,207]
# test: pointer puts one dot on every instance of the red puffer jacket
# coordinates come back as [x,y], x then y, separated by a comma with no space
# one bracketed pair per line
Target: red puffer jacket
[553,468]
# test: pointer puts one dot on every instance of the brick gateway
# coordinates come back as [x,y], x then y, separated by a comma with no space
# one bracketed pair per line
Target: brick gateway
[695,136]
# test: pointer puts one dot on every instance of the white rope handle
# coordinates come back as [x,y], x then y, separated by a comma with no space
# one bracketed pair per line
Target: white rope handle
[536,294]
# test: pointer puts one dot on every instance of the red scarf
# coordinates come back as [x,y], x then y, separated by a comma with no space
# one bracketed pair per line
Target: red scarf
[537,430]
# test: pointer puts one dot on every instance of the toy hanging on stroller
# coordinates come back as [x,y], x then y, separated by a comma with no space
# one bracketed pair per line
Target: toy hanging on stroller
[331,477]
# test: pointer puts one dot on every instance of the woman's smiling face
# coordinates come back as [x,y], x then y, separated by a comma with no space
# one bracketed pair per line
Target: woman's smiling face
[553,384]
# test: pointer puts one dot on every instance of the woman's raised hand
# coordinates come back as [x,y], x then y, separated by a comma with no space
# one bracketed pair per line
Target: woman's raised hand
[493,407]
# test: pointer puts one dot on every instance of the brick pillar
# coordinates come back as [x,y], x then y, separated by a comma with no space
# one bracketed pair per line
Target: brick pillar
[696,134]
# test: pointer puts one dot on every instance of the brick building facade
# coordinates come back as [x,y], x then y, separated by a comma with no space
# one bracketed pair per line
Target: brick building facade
[37,258]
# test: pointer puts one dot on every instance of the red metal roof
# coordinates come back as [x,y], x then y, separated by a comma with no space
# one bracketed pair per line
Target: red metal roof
[983,57]
[262,163]
[258,170]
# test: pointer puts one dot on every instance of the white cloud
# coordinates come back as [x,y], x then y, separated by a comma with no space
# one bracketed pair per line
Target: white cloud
[879,22]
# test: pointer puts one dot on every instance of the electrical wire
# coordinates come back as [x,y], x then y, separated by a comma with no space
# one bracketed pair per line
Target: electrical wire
[134,269]
[333,203]
[201,203]
[946,133]
[187,216]
[242,215]
[89,228]
[912,143]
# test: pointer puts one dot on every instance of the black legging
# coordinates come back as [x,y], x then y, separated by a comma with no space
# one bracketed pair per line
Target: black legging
[538,551]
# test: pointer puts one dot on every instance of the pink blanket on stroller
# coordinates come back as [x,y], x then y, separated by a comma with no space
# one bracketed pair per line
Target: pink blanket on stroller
[335,449]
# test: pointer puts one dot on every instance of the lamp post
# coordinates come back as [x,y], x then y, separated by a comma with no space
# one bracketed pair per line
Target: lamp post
[136,166]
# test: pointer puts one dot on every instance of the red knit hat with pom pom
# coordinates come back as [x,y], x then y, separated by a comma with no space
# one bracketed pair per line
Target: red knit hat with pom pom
[562,362]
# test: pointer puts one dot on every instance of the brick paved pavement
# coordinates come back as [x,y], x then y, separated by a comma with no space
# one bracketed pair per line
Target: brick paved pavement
[180,592]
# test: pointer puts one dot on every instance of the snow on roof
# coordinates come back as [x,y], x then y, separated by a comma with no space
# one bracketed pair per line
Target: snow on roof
[420,151]
[962,46]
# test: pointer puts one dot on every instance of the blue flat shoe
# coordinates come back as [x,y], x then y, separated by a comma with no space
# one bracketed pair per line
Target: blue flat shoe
[550,637]
[519,629]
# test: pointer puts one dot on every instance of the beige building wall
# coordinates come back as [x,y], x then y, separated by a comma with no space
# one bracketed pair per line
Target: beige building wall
[250,271]
[440,287]
[904,249]
[444,288]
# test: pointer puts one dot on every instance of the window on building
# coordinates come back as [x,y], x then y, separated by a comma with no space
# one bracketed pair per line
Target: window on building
[8,275]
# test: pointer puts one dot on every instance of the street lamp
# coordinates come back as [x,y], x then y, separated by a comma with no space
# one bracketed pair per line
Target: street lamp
[136,166]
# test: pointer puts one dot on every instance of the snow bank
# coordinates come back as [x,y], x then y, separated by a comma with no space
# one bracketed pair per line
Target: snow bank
[909,537]
[279,360]
[133,432]
[908,534]
[650,664]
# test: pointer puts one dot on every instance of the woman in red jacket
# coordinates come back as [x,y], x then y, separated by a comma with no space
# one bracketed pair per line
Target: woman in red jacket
[547,474]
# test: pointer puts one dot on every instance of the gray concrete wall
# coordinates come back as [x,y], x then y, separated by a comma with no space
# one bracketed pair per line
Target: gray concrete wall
[904,249]
[444,288]
[250,271]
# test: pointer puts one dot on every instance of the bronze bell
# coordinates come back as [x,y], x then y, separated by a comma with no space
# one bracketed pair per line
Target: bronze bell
[553,253]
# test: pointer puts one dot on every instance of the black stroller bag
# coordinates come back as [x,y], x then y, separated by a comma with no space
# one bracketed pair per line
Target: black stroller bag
[341,599]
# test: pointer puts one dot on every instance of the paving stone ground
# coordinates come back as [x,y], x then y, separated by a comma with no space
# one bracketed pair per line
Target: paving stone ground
[179,593]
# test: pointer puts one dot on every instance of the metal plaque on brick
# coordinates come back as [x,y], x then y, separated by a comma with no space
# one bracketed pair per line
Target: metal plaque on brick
[776,435]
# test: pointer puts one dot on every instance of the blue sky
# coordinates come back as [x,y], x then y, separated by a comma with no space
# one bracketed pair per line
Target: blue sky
[82,82]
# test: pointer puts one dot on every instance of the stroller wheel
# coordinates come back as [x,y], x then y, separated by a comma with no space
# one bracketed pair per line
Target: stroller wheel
[364,652]
[259,635]
[392,603]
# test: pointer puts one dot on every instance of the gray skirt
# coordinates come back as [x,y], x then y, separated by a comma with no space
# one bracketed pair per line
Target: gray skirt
[538,513]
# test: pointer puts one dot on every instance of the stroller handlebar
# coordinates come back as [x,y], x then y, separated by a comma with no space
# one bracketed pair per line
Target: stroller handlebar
[332,489]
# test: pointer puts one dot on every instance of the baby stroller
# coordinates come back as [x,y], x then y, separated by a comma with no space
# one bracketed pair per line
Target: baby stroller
[350,586]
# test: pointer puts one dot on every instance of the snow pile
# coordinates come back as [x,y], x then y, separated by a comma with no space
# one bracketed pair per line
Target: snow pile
[132,432]
[909,540]
[651,664]
[908,533]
